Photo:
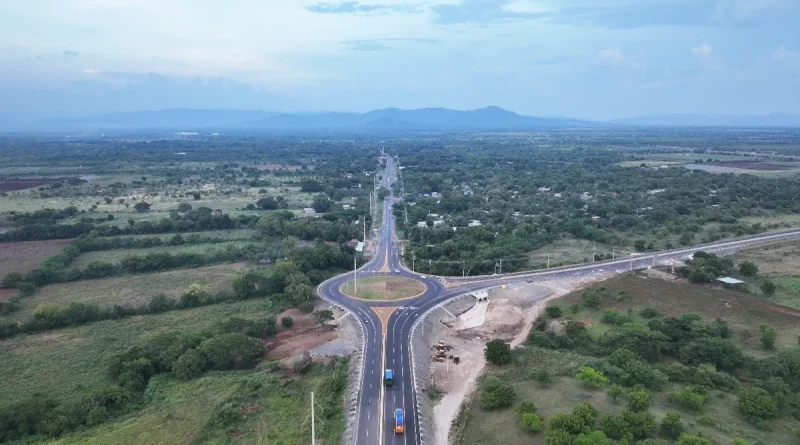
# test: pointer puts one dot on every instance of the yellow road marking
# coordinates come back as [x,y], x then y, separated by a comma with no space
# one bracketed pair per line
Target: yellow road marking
[383,314]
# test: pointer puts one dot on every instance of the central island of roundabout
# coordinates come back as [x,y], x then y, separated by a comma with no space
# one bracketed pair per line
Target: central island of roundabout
[383,288]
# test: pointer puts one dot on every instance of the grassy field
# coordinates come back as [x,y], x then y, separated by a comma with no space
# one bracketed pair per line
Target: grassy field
[71,362]
[720,421]
[25,256]
[567,251]
[281,414]
[115,256]
[780,262]
[128,290]
[384,288]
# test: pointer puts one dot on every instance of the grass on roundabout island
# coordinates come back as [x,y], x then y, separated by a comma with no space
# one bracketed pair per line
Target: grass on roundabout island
[383,288]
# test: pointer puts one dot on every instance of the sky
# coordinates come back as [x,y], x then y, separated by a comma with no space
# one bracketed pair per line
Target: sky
[590,59]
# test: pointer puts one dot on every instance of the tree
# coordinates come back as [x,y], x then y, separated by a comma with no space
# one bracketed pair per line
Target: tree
[190,364]
[593,438]
[531,421]
[689,439]
[615,392]
[231,351]
[194,296]
[748,269]
[142,207]
[638,400]
[591,299]
[768,336]
[768,287]
[671,425]
[498,352]
[50,315]
[11,280]
[553,311]
[496,393]
[615,427]
[268,203]
[321,204]
[184,207]
[591,377]
[323,315]
[641,424]
[287,322]
[557,437]
[640,245]
[757,403]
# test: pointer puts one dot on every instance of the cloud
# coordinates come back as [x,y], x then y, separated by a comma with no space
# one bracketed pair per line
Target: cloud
[615,55]
[784,54]
[69,53]
[753,12]
[359,8]
[481,11]
[381,44]
[703,51]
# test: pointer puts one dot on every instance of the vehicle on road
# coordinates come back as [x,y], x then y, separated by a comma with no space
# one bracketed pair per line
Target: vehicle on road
[388,377]
[399,426]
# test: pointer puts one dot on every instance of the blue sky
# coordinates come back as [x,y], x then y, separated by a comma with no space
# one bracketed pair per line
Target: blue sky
[596,59]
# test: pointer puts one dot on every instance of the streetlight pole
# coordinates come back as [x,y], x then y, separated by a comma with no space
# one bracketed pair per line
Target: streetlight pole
[355,274]
[313,425]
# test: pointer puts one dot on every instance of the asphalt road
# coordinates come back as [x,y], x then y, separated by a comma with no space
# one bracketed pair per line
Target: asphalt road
[389,346]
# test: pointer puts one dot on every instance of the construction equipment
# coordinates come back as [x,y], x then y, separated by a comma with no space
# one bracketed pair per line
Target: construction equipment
[456,360]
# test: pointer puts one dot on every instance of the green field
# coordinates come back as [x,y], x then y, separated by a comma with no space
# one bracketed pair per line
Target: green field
[280,412]
[130,291]
[720,421]
[71,362]
[384,288]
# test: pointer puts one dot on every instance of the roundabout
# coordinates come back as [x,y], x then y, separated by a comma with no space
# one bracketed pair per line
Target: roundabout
[378,288]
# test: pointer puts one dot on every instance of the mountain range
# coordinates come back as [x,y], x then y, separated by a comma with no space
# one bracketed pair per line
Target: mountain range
[388,119]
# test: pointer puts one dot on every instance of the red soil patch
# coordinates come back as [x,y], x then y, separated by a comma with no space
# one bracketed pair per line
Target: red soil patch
[304,335]
[25,256]
[5,294]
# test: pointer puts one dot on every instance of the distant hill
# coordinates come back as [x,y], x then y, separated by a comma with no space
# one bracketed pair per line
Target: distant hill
[484,119]
[699,120]
[177,118]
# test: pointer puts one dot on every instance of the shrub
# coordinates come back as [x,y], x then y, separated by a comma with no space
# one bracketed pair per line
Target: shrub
[50,315]
[542,376]
[557,437]
[8,307]
[591,377]
[757,404]
[768,287]
[688,439]
[527,407]
[586,415]
[591,299]
[671,425]
[553,311]
[575,308]
[768,336]
[287,322]
[160,303]
[691,397]
[638,400]
[610,317]
[649,312]
[532,422]
[615,392]
[498,352]
[26,289]
[717,351]
[190,364]
[496,394]
[641,424]
[196,295]
[11,280]
[748,269]
[616,427]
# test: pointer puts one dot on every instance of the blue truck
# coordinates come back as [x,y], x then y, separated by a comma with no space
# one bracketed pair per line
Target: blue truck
[388,377]
[399,426]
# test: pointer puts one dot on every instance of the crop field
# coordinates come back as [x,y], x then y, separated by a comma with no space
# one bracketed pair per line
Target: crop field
[71,362]
[131,291]
[384,288]
[115,256]
[25,256]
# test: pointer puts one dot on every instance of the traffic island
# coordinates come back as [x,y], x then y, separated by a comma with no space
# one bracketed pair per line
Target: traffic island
[383,288]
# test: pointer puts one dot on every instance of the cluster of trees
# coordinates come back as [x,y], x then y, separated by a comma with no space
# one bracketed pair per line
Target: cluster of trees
[233,344]
[584,194]
[334,227]
[197,220]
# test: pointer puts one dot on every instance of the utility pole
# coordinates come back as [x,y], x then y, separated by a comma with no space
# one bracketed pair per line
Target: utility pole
[654,260]
[430,266]
[463,266]
[413,261]
[594,253]
[631,261]
[613,255]
[313,425]
[548,260]
[365,230]
[501,266]
[355,274]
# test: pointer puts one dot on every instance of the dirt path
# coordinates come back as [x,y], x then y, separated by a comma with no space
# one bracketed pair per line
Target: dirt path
[509,315]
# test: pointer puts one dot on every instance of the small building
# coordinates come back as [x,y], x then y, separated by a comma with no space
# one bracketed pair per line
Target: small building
[474,223]
[360,247]
[436,195]
[346,206]
[438,222]
[656,191]
[309,211]
[422,224]
[730,281]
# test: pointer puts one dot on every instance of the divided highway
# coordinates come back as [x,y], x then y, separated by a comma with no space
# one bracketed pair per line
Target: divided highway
[388,346]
